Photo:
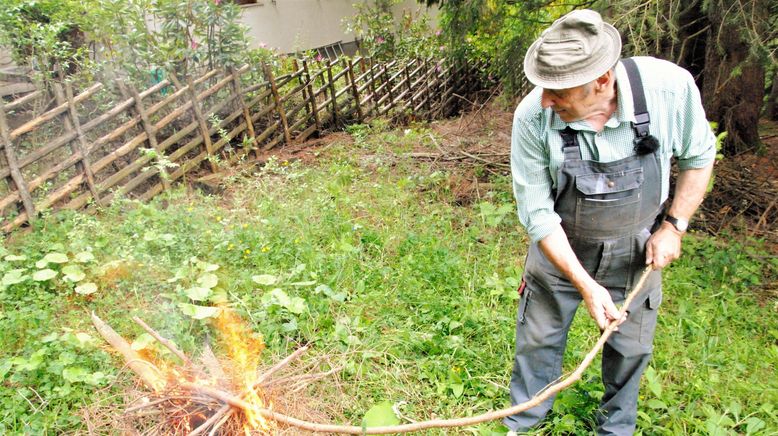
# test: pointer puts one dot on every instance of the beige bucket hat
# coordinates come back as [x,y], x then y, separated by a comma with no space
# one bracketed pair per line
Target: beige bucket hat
[576,49]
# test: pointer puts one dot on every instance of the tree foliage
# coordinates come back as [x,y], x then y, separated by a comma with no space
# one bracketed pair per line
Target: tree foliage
[498,32]
[729,46]
[137,36]
[383,38]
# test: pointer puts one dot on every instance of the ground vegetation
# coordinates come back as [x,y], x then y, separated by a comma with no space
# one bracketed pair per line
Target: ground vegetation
[397,268]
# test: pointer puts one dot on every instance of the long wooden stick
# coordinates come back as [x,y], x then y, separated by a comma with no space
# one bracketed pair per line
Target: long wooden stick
[540,397]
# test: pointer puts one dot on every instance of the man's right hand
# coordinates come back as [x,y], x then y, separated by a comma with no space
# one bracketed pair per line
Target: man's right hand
[598,300]
[600,305]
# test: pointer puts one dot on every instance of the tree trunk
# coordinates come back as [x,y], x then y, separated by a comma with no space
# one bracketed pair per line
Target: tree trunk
[690,51]
[771,108]
[733,79]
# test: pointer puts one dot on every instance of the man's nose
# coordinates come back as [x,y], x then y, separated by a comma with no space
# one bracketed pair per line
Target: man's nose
[547,99]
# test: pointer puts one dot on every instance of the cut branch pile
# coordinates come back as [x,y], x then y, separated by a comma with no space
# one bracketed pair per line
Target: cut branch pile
[187,405]
[745,194]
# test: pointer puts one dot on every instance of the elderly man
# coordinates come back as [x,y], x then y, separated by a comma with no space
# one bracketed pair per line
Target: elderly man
[590,157]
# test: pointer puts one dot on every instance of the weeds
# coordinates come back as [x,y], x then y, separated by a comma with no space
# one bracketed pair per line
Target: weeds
[380,265]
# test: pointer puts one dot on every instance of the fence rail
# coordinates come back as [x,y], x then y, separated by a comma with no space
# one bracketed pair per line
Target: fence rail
[112,140]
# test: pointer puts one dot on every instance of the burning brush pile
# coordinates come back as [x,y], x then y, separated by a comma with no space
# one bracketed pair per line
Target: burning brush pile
[211,396]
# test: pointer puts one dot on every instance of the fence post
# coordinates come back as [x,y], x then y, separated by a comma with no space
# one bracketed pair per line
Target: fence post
[246,114]
[204,130]
[354,90]
[369,82]
[82,145]
[16,174]
[427,88]
[408,85]
[388,82]
[151,132]
[333,93]
[277,99]
[311,97]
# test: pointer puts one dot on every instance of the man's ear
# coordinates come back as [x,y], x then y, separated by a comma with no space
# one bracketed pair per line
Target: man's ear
[603,82]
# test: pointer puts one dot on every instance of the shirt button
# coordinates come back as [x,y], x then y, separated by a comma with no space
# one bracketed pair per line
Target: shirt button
[611,183]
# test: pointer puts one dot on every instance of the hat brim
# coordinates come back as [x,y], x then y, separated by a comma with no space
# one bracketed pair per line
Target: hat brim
[570,80]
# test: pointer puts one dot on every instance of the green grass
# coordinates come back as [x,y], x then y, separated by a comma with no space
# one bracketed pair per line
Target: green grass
[380,268]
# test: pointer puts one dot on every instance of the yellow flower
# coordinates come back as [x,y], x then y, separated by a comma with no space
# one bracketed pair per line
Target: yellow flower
[247,251]
[265,249]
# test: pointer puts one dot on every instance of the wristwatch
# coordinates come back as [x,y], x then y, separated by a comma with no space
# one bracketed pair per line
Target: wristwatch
[680,224]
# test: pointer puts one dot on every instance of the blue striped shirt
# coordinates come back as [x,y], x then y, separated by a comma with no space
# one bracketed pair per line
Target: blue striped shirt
[677,121]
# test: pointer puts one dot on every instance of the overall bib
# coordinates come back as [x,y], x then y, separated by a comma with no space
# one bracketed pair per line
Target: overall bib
[607,211]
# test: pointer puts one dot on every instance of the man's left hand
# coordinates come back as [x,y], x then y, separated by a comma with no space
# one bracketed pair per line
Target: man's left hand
[664,246]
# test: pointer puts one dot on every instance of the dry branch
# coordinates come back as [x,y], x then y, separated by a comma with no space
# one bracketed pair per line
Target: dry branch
[168,344]
[147,372]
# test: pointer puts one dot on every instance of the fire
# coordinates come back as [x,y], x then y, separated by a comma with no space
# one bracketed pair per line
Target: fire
[243,347]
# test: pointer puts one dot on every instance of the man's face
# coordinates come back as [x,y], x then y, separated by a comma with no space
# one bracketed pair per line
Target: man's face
[572,104]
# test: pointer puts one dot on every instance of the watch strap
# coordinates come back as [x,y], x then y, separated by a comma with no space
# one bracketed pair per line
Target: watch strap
[680,224]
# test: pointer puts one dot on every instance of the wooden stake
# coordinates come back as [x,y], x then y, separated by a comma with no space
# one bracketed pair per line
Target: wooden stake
[277,99]
[151,133]
[427,89]
[16,174]
[236,87]
[408,84]
[333,94]
[83,146]
[204,130]
[388,81]
[354,90]
[311,96]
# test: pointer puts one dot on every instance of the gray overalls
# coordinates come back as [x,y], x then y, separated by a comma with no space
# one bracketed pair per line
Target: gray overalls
[607,211]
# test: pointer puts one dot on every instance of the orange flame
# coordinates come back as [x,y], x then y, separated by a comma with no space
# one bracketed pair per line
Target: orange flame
[243,347]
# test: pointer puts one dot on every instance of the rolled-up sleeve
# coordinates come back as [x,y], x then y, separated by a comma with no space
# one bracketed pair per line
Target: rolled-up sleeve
[532,184]
[695,143]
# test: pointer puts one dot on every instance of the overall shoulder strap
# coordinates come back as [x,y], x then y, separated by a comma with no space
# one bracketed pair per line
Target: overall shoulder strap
[570,146]
[645,143]
[642,119]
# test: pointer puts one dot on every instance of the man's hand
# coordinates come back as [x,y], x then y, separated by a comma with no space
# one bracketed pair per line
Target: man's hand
[664,246]
[598,301]
[600,306]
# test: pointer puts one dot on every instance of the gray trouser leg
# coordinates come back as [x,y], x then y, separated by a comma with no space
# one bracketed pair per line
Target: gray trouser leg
[542,324]
[624,358]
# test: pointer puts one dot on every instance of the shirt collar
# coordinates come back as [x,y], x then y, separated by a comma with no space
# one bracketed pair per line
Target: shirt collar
[625,109]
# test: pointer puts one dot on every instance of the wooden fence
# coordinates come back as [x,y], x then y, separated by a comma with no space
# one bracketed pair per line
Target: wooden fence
[110,139]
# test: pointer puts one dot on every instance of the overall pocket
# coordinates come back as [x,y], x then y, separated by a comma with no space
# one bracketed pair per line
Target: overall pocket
[608,200]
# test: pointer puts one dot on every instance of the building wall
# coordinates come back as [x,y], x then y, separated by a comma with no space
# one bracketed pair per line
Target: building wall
[295,25]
